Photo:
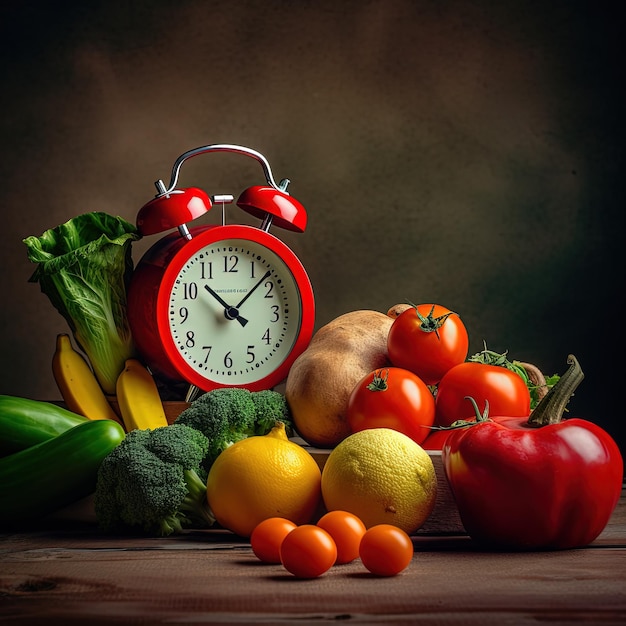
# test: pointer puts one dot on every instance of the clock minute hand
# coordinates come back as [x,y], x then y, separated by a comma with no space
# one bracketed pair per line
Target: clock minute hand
[230,312]
[253,289]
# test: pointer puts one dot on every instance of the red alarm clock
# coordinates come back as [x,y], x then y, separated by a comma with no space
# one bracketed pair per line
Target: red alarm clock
[221,305]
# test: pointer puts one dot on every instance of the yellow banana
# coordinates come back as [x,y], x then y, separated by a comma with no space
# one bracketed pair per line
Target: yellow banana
[138,398]
[77,383]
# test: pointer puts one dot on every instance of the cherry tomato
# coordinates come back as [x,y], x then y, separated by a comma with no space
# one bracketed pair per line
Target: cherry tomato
[267,537]
[346,530]
[505,391]
[428,340]
[395,398]
[308,551]
[386,550]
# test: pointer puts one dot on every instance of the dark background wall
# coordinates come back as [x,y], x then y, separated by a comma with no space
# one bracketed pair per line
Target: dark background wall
[466,153]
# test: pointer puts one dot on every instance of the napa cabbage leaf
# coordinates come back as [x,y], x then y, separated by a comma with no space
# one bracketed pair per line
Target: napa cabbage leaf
[83,267]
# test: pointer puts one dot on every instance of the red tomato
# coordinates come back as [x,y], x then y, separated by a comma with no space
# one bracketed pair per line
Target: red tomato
[386,550]
[394,398]
[428,340]
[346,530]
[308,551]
[267,537]
[505,391]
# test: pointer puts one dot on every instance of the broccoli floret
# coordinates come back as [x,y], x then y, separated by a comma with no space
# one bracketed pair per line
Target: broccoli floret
[223,416]
[271,407]
[229,414]
[153,481]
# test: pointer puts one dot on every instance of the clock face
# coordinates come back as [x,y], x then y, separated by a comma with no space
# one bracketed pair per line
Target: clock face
[233,309]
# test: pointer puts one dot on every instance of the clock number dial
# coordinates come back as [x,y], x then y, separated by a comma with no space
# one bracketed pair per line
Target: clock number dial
[230,263]
[243,304]
[190,291]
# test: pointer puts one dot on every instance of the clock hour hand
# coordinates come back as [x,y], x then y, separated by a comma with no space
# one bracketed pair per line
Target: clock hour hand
[253,289]
[230,312]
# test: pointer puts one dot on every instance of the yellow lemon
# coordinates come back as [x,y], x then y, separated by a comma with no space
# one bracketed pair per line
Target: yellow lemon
[381,476]
[261,477]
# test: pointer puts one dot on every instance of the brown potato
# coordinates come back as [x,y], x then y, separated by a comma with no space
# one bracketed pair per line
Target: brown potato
[397,310]
[322,378]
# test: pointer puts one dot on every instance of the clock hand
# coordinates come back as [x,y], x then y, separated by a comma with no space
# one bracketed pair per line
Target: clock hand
[253,289]
[230,312]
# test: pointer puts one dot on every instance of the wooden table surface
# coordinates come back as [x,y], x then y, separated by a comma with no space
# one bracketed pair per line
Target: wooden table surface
[66,572]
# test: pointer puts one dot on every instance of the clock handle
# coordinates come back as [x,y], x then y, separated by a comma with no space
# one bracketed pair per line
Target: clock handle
[220,147]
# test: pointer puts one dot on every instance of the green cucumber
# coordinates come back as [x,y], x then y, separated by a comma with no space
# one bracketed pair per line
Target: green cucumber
[51,475]
[25,422]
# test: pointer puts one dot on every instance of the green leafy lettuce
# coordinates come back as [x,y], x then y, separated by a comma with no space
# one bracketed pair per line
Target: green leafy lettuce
[84,267]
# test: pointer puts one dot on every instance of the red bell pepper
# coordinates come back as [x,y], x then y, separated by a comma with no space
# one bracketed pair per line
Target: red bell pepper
[534,483]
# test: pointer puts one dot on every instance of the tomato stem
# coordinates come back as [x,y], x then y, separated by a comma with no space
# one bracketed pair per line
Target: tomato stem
[379,382]
[491,357]
[552,406]
[480,417]
[430,324]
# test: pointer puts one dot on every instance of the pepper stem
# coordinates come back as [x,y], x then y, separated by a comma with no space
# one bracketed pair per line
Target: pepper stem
[552,406]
